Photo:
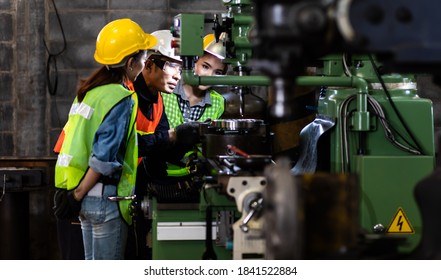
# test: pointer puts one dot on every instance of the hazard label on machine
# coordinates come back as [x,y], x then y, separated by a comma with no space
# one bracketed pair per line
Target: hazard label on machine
[400,223]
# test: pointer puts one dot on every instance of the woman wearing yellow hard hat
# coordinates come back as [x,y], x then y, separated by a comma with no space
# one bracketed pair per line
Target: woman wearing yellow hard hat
[97,161]
[188,105]
[198,103]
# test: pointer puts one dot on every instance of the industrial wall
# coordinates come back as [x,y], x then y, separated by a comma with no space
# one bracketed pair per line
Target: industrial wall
[45,49]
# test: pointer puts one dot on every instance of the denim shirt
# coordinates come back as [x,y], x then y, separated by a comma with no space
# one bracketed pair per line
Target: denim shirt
[109,143]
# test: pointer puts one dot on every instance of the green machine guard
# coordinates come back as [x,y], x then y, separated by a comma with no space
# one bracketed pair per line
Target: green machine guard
[386,137]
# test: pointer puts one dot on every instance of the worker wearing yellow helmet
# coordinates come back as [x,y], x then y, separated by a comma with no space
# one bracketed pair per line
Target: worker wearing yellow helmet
[98,156]
[215,48]
[198,103]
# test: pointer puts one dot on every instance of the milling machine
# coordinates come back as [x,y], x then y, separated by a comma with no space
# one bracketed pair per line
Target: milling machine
[370,122]
[348,191]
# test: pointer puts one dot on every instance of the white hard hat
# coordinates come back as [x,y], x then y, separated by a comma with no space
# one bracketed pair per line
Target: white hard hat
[163,47]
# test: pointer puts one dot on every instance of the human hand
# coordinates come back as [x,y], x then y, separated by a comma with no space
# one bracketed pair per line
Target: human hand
[65,204]
[188,133]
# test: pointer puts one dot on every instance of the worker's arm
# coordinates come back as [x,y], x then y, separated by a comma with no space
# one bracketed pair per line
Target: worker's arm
[108,148]
[89,180]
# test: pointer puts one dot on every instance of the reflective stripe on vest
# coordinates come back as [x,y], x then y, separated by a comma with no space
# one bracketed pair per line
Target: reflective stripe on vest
[73,160]
[81,109]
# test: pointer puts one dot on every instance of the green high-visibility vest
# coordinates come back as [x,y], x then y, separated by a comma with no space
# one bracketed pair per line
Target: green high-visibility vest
[174,114]
[175,118]
[83,122]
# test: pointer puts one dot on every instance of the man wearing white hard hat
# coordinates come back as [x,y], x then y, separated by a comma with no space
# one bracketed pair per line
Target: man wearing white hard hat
[161,73]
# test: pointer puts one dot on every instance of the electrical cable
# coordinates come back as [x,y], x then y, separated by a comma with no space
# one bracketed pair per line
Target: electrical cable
[51,64]
[345,65]
[389,131]
[343,133]
[389,98]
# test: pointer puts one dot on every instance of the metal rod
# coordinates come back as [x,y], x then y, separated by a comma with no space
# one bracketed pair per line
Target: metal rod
[356,82]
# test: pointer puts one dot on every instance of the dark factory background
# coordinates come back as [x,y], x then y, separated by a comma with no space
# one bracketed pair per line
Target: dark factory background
[44,51]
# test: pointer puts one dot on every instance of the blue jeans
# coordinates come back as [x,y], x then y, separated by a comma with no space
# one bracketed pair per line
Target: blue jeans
[104,230]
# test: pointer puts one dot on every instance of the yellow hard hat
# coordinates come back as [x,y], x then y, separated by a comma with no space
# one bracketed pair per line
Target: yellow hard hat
[215,48]
[119,39]
[208,39]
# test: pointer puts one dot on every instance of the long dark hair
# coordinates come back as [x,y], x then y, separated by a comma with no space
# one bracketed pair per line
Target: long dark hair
[106,75]
[102,76]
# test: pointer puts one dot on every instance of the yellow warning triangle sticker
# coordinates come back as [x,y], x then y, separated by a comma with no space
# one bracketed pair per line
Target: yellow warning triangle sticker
[400,223]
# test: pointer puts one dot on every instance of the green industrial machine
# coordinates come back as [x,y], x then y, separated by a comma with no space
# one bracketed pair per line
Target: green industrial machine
[181,229]
[369,126]
[379,129]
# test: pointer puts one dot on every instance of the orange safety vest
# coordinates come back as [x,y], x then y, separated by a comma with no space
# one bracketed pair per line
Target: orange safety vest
[57,147]
[144,125]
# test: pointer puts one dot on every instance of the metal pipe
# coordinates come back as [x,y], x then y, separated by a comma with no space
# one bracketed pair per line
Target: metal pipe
[361,117]
[226,80]
[243,19]
[356,82]
[361,120]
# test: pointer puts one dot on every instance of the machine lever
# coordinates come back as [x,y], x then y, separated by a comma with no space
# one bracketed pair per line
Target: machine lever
[238,151]
[256,207]
[120,198]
